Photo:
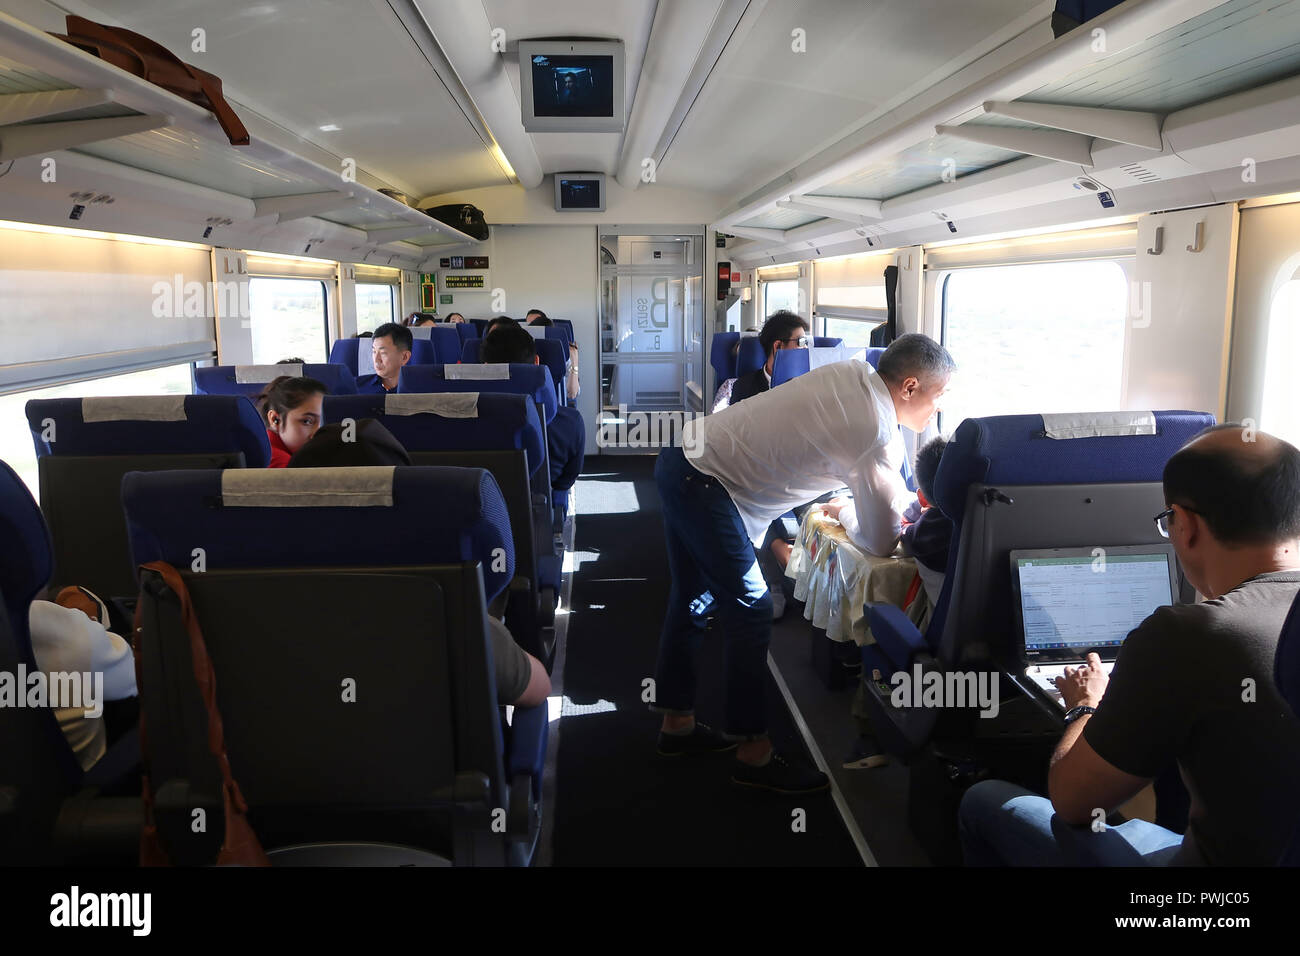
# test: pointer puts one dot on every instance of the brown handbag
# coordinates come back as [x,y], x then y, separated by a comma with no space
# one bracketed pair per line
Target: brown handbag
[153,62]
[240,846]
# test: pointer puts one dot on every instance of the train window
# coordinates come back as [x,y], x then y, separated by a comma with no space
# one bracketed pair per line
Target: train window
[1280,409]
[780,294]
[288,320]
[1044,337]
[16,446]
[376,304]
[856,333]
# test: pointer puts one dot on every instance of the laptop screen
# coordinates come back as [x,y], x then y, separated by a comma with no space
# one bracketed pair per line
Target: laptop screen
[1071,603]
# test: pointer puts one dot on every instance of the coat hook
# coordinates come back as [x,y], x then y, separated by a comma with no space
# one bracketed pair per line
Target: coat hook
[1198,245]
[1160,242]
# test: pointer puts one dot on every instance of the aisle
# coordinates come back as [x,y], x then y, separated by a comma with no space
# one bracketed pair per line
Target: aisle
[616,801]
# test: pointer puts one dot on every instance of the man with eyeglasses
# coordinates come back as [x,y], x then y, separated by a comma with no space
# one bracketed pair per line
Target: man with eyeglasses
[1193,685]
[782,330]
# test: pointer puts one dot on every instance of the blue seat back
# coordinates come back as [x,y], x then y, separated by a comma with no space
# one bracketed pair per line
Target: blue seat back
[873,357]
[26,565]
[502,422]
[720,357]
[224,379]
[480,326]
[554,354]
[465,331]
[469,351]
[822,342]
[212,424]
[532,380]
[751,357]
[567,326]
[357,356]
[446,344]
[433,516]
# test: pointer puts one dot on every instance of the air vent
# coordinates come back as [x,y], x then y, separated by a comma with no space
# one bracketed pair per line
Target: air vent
[1141,173]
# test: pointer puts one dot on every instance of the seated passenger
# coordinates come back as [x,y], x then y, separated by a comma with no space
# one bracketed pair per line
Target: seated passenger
[928,537]
[521,679]
[425,318]
[566,434]
[498,321]
[293,408]
[571,386]
[782,330]
[292,361]
[69,636]
[1192,684]
[391,348]
[454,318]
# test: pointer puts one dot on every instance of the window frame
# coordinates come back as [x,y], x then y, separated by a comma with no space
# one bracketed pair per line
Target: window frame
[325,303]
[394,300]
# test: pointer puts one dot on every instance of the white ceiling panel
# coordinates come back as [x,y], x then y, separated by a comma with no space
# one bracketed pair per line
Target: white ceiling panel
[766,106]
[304,64]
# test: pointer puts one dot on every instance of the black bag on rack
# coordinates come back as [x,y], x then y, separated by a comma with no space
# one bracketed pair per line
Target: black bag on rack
[468,219]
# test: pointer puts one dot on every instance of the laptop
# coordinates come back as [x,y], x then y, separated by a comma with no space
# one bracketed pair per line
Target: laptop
[1072,601]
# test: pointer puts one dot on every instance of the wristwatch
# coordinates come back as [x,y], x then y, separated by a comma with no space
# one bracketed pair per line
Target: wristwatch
[1074,713]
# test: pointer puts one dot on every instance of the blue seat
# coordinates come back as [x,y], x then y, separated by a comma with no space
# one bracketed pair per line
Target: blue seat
[446,344]
[1286,674]
[532,380]
[1006,485]
[751,357]
[822,342]
[360,361]
[720,357]
[226,379]
[504,436]
[85,446]
[39,773]
[469,351]
[873,357]
[420,760]
[480,326]
[567,326]
[550,352]
[465,331]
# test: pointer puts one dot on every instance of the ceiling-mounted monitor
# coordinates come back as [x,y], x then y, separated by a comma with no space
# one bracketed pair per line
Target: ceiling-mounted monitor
[572,86]
[579,192]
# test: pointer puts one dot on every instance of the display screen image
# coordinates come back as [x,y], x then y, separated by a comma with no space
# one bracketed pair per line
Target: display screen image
[580,194]
[573,85]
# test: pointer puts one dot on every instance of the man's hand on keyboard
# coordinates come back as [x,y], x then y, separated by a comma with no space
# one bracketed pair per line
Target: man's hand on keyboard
[1085,684]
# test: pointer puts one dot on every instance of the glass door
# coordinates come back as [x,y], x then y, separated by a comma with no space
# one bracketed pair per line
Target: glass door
[652,323]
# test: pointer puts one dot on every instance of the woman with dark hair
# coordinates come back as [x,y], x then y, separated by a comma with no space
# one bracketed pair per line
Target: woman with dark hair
[455,318]
[293,409]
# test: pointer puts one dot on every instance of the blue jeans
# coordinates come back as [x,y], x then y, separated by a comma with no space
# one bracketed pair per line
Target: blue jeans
[713,568]
[1006,825]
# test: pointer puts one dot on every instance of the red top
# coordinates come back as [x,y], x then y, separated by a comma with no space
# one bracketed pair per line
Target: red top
[280,455]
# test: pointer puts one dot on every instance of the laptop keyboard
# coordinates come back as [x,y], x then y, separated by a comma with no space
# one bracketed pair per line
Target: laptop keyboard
[1044,676]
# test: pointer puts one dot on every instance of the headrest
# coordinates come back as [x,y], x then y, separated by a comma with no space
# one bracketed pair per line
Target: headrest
[1098,424]
[720,354]
[261,374]
[826,342]
[436,516]
[446,344]
[134,408]
[504,422]
[1016,450]
[532,380]
[751,356]
[359,441]
[421,331]
[791,363]
[446,404]
[209,424]
[873,357]
[26,553]
[326,487]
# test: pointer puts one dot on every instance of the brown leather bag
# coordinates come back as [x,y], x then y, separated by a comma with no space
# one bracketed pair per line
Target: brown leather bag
[240,846]
[153,62]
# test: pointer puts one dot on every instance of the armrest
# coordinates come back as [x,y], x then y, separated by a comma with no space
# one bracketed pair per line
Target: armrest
[529,731]
[895,634]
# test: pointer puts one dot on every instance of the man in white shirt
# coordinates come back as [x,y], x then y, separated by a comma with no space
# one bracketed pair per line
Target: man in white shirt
[737,470]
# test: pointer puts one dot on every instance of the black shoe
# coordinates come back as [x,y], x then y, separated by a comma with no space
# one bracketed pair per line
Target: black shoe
[702,739]
[780,776]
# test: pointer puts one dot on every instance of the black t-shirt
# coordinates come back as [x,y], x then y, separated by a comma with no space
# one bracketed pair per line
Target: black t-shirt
[1195,684]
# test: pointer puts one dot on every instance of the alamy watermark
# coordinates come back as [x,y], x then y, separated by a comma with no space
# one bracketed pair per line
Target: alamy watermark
[56,689]
[637,429]
[948,689]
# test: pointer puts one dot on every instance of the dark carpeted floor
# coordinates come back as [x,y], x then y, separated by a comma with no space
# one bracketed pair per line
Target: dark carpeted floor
[616,801]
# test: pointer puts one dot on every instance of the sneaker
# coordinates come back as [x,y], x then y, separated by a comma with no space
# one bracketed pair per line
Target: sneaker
[865,755]
[703,739]
[780,776]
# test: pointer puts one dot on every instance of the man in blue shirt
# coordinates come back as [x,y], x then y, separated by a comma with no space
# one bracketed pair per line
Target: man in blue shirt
[391,347]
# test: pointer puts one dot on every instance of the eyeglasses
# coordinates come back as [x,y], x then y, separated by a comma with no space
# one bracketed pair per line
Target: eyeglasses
[1162,519]
[800,342]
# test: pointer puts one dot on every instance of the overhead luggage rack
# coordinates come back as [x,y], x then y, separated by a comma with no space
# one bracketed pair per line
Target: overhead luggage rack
[54,96]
